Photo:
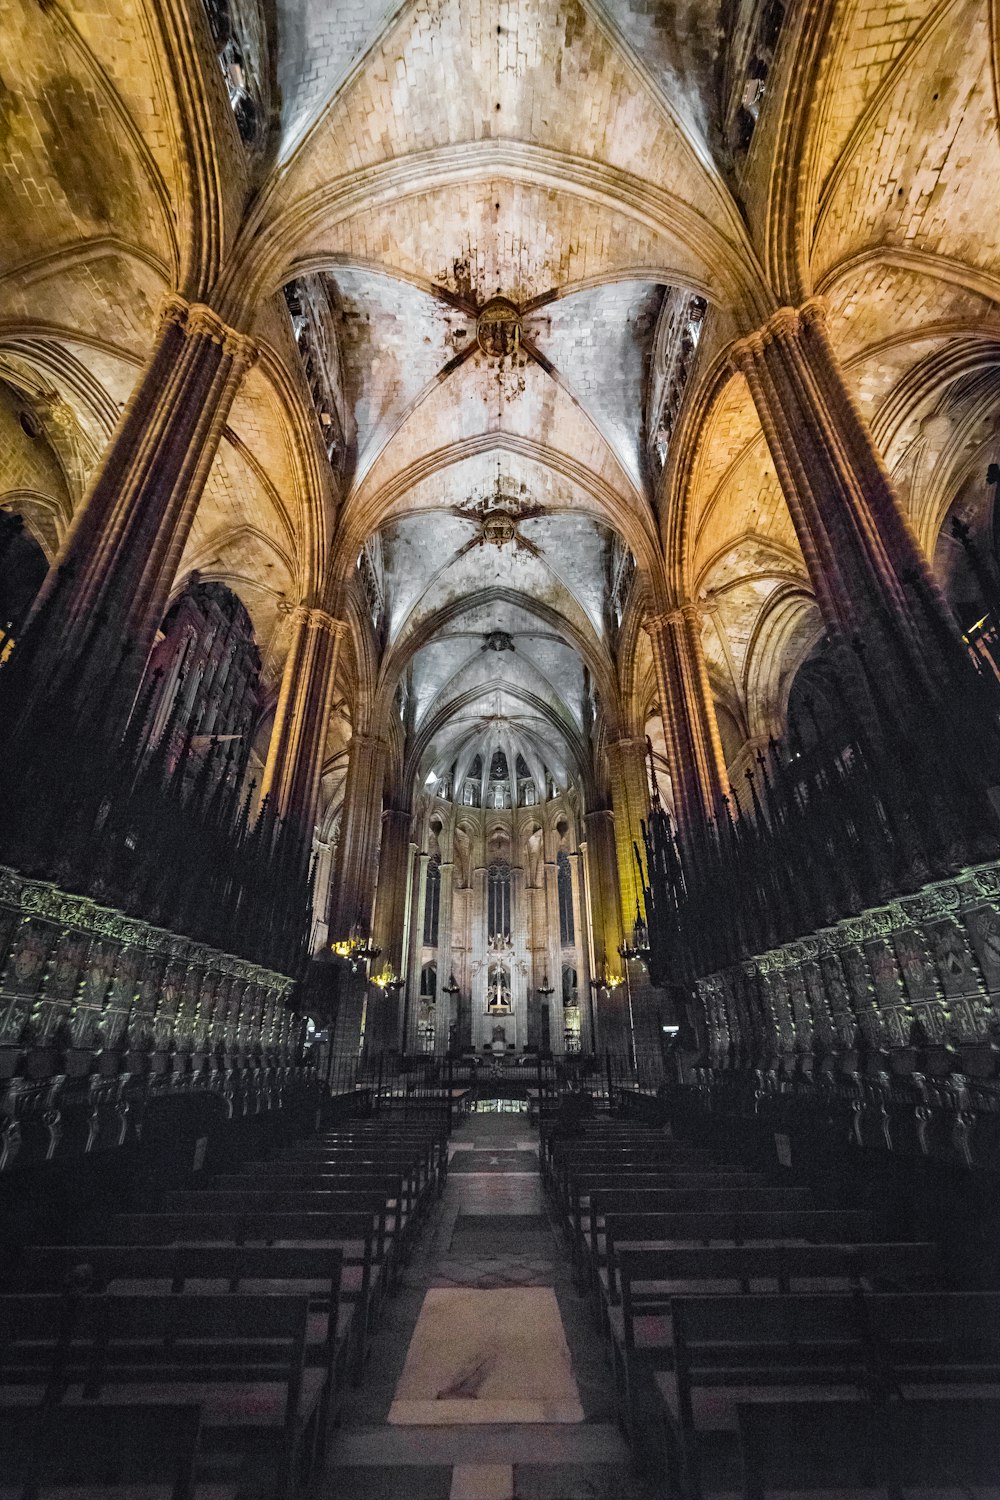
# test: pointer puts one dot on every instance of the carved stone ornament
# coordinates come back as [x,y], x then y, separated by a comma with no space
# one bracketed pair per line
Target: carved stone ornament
[498,640]
[498,329]
[986,880]
[498,527]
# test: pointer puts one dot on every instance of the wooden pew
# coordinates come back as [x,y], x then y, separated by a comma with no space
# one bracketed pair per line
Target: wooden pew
[103,1451]
[641,1330]
[394,1187]
[399,1192]
[654,1153]
[303,1270]
[655,1150]
[950,1444]
[581,1177]
[732,1350]
[629,1200]
[251,1202]
[428,1148]
[36,1332]
[352,1233]
[708,1227]
[242,1358]
[598,1136]
[420,1161]
[701,1189]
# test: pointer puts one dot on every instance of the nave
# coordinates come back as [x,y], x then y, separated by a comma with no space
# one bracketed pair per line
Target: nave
[457,1306]
[536,1413]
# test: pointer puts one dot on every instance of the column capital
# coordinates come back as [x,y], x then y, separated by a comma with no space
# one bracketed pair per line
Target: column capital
[629,742]
[197,319]
[316,619]
[173,309]
[361,740]
[662,621]
[597,812]
[687,612]
[786,322]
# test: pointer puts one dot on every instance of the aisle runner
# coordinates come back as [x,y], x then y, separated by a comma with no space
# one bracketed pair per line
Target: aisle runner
[494,1356]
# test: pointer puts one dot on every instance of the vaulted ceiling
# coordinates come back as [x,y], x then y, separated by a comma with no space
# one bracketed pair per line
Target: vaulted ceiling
[576,158]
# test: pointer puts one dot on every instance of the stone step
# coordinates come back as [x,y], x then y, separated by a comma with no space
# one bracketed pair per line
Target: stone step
[516,1443]
[486,1481]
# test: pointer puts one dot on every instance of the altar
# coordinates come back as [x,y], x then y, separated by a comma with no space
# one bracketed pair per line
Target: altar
[498,1041]
[498,1020]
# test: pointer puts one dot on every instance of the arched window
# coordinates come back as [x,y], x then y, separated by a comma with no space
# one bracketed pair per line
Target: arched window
[432,902]
[564,876]
[499,787]
[498,901]
[569,994]
[473,783]
[429,982]
[234,48]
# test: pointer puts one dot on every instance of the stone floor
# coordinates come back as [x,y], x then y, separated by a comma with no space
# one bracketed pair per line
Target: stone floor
[491,1233]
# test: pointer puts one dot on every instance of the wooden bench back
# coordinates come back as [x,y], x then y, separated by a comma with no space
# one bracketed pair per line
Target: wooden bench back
[98,1445]
[632,1200]
[419,1132]
[800,1334]
[654,1150]
[203,1339]
[643,1177]
[277,1200]
[825,1226]
[346,1229]
[320,1179]
[35,1335]
[900,1264]
[926,1444]
[57,1268]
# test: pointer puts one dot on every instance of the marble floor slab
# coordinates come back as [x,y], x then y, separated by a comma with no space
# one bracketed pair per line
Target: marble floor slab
[487,1273]
[592,1443]
[482,1162]
[482,1482]
[487,1356]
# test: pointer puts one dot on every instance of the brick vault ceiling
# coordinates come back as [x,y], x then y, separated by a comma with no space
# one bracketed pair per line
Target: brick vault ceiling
[362,89]
[428,155]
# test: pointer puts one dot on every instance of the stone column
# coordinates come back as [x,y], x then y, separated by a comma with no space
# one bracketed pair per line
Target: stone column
[357,849]
[690,727]
[295,754]
[419,900]
[121,555]
[550,955]
[390,897]
[479,959]
[323,856]
[606,909]
[630,801]
[404,969]
[444,1017]
[382,1029]
[581,926]
[857,544]
[460,949]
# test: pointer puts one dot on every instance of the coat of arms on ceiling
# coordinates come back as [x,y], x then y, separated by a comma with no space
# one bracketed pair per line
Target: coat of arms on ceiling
[499,517]
[498,640]
[498,334]
[498,329]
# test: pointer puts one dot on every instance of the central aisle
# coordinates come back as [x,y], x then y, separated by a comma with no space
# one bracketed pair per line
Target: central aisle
[486,1380]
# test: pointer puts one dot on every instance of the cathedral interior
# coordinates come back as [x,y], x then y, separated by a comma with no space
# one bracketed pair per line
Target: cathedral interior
[500,727]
